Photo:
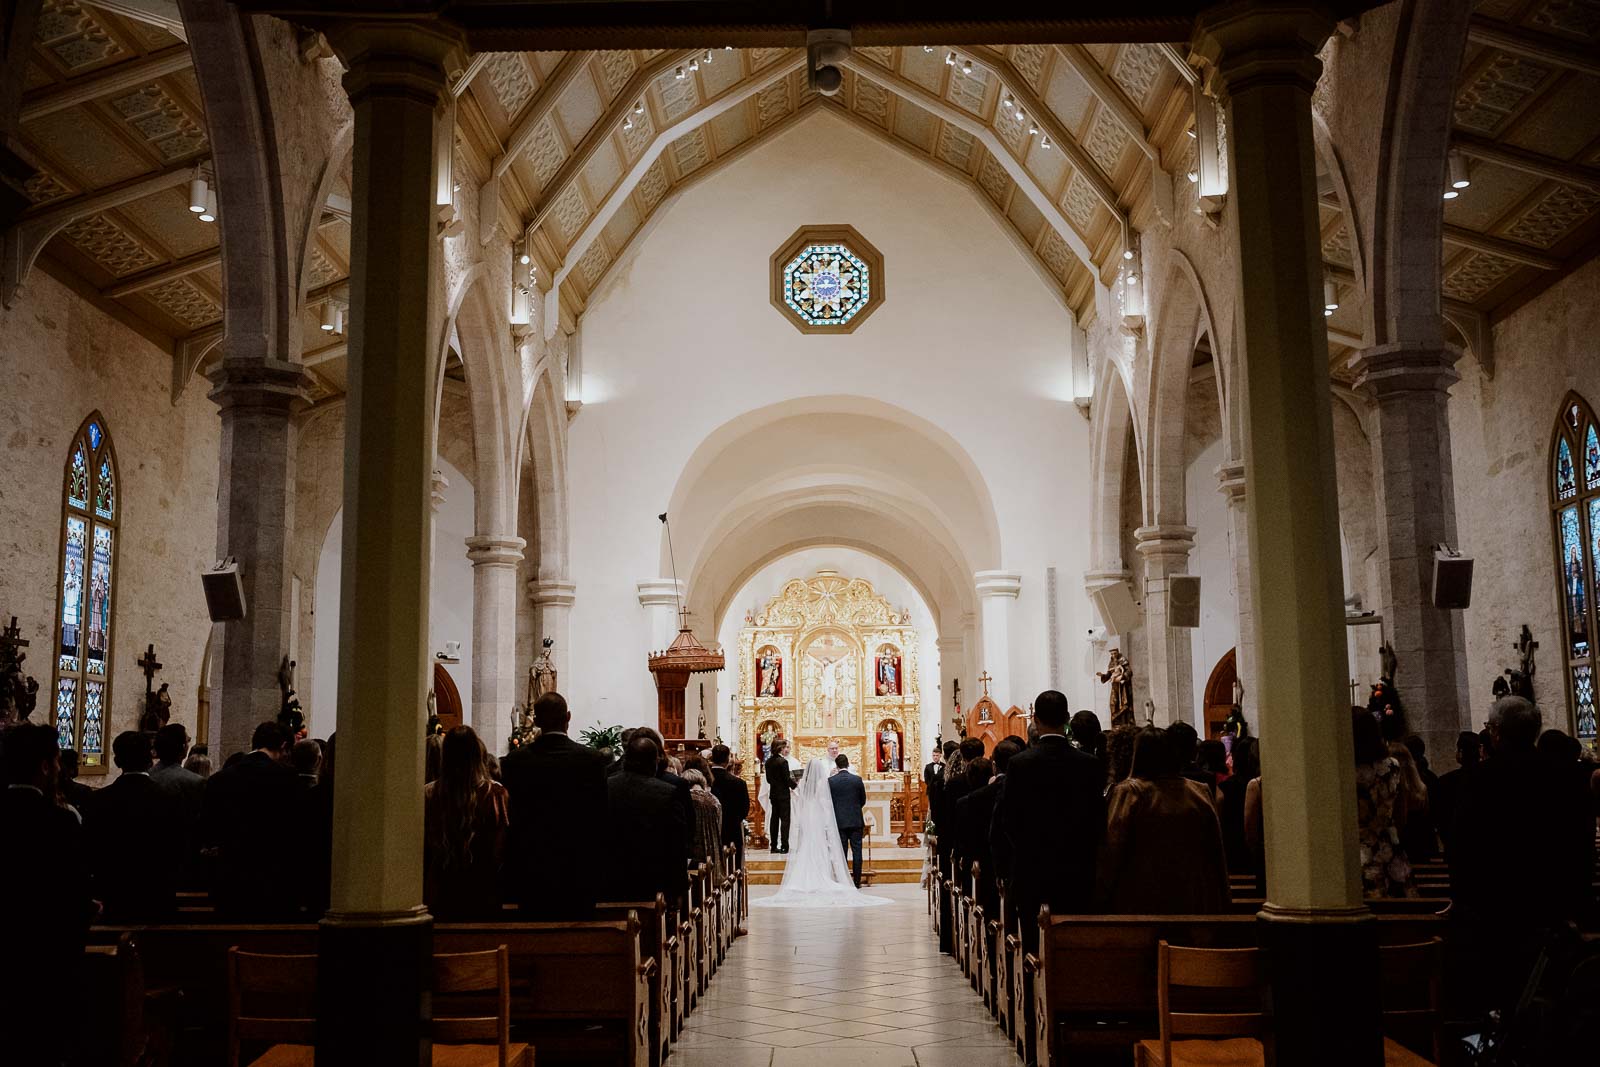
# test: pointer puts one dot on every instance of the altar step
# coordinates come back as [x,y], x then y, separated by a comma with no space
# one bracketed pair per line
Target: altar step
[877,871]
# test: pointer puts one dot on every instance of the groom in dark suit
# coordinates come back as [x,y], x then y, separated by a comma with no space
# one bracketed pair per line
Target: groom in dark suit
[849,797]
[778,786]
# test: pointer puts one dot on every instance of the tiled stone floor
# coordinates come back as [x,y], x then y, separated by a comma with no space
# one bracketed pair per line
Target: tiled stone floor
[856,987]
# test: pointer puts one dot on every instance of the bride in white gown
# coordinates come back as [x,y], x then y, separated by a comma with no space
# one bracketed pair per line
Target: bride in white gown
[816,874]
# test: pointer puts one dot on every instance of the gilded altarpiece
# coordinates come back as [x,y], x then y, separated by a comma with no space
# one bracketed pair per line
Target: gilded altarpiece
[828,659]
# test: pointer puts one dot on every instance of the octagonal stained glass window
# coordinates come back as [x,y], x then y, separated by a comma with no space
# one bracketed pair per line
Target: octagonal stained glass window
[827,279]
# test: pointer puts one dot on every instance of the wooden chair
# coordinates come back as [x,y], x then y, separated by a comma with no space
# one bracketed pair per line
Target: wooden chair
[286,986]
[1411,978]
[456,1037]
[1230,1036]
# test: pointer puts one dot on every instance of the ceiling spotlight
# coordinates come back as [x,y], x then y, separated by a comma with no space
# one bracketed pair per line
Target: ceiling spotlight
[1330,296]
[1033,128]
[927,48]
[1194,177]
[708,55]
[210,213]
[678,74]
[638,107]
[628,124]
[1007,103]
[1044,142]
[727,48]
[694,64]
[1459,178]
[1451,194]
[338,320]
[1133,276]
[949,59]
[522,252]
[197,192]
[1191,133]
[1127,253]
[327,316]
[966,67]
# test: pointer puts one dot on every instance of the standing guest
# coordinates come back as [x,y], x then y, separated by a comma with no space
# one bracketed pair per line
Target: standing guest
[1163,852]
[198,761]
[172,748]
[705,843]
[558,792]
[306,759]
[622,743]
[1416,836]
[1448,791]
[778,789]
[466,817]
[642,828]
[665,772]
[1052,817]
[971,841]
[317,871]
[45,907]
[1211,764]
[136,833]
[849,795]
[1230,808]
[1381,796]
[1119,754]
[1185,743]
[432,752]
[74,792]
[733,793]
[250,808]
[975,817]
[1087,735]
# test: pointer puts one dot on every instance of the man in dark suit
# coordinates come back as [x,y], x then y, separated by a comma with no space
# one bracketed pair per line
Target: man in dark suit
[734,796]
[558,806]
[135,832]
[642,828]
[778,787]
[248,817]
[974,813]
[44,900]
[1052,816]
[679,784]
[849,798]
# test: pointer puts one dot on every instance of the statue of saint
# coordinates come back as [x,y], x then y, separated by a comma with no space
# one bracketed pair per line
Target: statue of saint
[1119,672]
[542,675]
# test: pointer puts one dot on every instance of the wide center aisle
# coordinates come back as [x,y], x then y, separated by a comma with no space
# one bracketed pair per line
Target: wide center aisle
[841,986]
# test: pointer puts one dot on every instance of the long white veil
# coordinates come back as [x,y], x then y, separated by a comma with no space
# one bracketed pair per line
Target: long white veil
[816,874]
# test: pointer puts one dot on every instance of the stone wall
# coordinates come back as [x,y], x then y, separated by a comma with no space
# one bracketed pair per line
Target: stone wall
[62,358]
[1501,430]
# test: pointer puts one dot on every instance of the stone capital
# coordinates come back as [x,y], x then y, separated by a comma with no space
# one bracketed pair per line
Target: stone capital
[659,592]
[436,495]
[1385,370]
[992,584]
[1257,45]
[1168,541]
[396,57]
[490,551]
[552,591]
[258,385]
[1094,581]
[1231,482]
[950,646]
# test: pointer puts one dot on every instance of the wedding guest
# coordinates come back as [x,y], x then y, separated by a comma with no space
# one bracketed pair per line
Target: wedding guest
[249,808]
[172,749]
[974,812]
[1448,791]
[1086,734]
[680,787]
[733,793]
[198,761]
[73,792]
[643,829]
[466,818]
[706,841]
[558,795]
[1381,796]
[306,759]
[432,751]
[135,833]
[1230,808]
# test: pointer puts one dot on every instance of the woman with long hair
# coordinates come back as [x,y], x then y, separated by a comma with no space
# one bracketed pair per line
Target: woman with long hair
[1381,798]
[705,837]
[466,821]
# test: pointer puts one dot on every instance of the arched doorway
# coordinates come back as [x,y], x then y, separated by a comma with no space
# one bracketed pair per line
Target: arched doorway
[446,698]
[1220,689]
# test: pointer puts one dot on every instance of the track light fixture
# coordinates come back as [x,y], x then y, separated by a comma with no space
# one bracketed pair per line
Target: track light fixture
[1007,103]
[679,75]
[1459,178]
[1033,129]
[327,316]
[966,66]
[1127,253]
[638,107]
[707,58]
[927,48]
[522,252]
[197,192]
[694,64]
[1044,142]
[1330,297]
[210,213]
[949,59]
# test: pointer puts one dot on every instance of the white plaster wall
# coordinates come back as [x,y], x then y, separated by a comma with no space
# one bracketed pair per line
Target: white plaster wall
[769,581]
[1212,560]
[450,601]
[61,358]
[969,338]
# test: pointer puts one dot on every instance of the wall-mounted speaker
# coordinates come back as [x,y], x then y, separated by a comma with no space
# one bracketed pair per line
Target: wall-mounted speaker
[1118,610]
[224,591]
[1183,600]
[1452,579]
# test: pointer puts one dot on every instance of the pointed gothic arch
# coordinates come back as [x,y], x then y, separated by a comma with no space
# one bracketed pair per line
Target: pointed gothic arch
[1575,518]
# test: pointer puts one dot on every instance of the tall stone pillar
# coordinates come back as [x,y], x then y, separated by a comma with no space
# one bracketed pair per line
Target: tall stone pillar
[997,595]
[1410,387]
[1231,484]
[376,942]
[257,393]
[552,601]
[494,636]
[1171,673]
[660,598]
[952,660]
[1321,940]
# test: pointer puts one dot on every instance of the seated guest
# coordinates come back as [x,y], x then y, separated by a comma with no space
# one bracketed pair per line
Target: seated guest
[1381,799]
[558,794]
[705,845]
[464,840]
[643,830]
[136,833]
[1211,765]
[306,759]
[45,907]
[1163,845]
[248,817]
[1448,791]
[74,792]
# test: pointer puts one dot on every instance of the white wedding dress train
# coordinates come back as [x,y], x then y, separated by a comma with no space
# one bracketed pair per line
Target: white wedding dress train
[816,874]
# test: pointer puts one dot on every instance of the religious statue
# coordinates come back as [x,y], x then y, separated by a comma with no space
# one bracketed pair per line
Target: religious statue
[769,673]
[888,672]
[542,675]
[157,710]
[830,691]
[1520,678]
[19,694]
[889,749]
[290,717]
[1119,672]
[764,743]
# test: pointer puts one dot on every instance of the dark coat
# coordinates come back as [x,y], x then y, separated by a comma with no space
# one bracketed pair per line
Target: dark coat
[973,815]
[249,816]
[947,822]
[733,793]
[685,802]
[136,831]
[643,830]
[779,783]
[1053,819]
[849,797]
[558,810]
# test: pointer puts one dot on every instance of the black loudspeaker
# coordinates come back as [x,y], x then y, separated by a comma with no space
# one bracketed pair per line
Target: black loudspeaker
[224,591]
[1452,579]
[1117,608]
[1183,600]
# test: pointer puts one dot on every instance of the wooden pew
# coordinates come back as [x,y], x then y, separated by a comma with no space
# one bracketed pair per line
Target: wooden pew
[1094,978]
[1003,975]
[124,1023]
[654,944]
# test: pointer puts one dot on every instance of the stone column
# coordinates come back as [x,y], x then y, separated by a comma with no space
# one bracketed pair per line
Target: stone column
[952,657]
[376,942]
[1410,387]
[1171,672]
[494,635]
[997,594]
[257,394]
[1321,940]
[660,598]
[552,602]
[1231,484]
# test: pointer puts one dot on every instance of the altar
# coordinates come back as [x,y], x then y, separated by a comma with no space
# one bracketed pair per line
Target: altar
[830,660]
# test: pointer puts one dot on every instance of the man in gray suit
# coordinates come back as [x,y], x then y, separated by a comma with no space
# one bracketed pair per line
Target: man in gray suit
[849,797]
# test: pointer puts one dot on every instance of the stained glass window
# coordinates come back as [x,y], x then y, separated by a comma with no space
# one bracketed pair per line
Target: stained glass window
[1576,509]
[88,573]
[827,279]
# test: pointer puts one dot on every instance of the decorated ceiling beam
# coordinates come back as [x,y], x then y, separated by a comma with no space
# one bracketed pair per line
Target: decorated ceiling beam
[1462,237]
[985,134]
[163,13]
[1180,62]
[149,279]
[473,68]
[1543,166]
[571,65]
[1534,45]
[1111,97]
[122,77]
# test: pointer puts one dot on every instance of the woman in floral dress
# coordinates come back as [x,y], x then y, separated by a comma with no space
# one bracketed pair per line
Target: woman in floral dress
[1380,812]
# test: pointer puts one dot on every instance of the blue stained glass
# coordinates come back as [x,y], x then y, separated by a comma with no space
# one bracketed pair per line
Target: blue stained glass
[1583,697]
[72,572]
[105,491]
[78,479]
[1574,583]
[66,706]
[93,708]
[99,625]
[1591,458]
[826,285]
[94,436]
[1566,474]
